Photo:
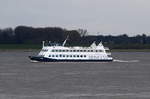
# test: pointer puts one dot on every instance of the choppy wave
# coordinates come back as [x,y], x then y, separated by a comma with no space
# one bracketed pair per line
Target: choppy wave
[128,61]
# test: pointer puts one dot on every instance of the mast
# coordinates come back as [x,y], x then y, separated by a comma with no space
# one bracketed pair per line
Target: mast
[43,43]
[65,41]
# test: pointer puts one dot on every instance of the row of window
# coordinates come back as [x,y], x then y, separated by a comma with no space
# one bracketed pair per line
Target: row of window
[67,55]
[76,50]
[44,50]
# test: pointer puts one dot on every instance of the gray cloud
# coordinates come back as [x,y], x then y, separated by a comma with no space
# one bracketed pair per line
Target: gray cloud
[103,16]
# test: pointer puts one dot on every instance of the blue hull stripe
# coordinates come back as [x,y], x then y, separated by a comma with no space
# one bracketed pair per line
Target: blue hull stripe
[43,59]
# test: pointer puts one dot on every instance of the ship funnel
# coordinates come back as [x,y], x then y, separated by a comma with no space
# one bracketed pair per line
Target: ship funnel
[100,44]
[93,45]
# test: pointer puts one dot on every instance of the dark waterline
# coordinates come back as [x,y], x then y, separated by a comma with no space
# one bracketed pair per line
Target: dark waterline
[126,78]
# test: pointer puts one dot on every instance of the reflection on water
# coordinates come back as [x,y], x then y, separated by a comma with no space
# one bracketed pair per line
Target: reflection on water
[128,77]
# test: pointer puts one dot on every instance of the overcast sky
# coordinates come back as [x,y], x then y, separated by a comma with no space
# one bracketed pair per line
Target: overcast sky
[97,16]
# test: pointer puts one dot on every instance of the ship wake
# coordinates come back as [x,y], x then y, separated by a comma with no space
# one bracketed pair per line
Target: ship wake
[126,61]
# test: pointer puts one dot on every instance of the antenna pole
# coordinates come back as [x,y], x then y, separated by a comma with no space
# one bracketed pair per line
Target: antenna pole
[65,41]
[43,43]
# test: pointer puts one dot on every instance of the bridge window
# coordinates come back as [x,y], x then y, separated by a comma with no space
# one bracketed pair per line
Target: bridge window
[44,50]
[100,50]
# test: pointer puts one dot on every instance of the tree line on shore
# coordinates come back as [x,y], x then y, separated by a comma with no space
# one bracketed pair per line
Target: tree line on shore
[31,35]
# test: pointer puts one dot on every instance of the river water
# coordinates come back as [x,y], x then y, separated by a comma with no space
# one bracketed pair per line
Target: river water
[128,77]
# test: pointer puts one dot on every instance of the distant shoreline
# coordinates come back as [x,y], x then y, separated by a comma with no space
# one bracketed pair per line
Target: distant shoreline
[112,50]
[130,50]
[33,47]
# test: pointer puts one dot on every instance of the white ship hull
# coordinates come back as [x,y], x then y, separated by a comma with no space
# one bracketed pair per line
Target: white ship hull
[73,54]
[43,59]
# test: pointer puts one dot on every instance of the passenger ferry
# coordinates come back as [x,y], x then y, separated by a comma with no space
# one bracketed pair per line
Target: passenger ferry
[62,53]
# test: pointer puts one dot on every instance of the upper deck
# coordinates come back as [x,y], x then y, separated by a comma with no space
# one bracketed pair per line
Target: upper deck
[62,48]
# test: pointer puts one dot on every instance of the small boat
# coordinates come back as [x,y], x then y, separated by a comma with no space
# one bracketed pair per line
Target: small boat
[62,53]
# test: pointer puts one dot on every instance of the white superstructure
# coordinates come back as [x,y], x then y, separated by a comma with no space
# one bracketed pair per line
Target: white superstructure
[63,53]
